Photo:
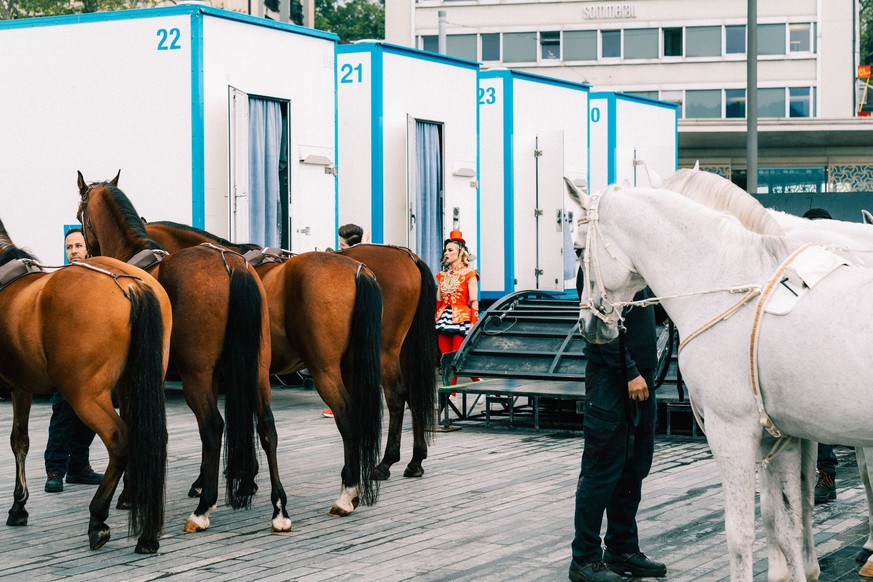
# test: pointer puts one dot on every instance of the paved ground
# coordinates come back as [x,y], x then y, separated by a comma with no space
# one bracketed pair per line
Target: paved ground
[494,505]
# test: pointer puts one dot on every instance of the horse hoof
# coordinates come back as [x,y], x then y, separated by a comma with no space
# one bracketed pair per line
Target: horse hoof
[413,471]
[195,523]
[381,473]
[337,511]
[281,524]
[147,547]
[97,538]
[17,519]
[194,491]
[866,571]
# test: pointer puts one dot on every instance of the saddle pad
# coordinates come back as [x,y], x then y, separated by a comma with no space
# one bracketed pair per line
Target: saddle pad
[808,268]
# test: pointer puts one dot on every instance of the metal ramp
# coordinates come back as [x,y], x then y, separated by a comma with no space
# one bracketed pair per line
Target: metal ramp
[528,345]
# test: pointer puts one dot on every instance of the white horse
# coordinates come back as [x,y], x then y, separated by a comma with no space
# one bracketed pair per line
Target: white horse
[696,259]
[851,240]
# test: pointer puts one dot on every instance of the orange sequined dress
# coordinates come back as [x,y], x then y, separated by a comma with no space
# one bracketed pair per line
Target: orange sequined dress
[453,314]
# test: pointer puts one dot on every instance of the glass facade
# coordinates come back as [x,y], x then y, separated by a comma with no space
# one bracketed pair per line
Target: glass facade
[641,43]
[610,44]
[703,41]
[519,47]
[703,104]
[580,45]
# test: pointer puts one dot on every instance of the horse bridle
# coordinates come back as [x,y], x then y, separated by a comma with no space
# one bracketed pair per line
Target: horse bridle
[85,220]
[613,316]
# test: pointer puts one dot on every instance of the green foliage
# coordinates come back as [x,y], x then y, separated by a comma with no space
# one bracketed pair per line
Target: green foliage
[352,20]
[866,32]
[11,9]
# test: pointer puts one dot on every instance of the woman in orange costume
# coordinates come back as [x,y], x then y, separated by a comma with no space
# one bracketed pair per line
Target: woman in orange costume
[457,295]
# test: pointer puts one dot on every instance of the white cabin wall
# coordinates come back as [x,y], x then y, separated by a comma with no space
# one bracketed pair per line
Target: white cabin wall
[429,90]
[354,152]
[96,97]
[539,108]
[274,63]
[647,130]
[493,261]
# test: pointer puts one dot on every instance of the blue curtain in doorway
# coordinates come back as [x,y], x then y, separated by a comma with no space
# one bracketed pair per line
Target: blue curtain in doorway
[265,136]
[428,203]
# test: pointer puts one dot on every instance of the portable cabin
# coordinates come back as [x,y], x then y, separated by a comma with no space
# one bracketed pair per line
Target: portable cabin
[216,119]
[533,131]
[407,148]
[627,130]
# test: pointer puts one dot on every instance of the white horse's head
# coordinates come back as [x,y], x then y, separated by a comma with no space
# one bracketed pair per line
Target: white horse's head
[609,276]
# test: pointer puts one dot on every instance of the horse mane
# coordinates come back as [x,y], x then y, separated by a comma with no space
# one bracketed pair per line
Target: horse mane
[8,250]
[214,238]
[723,195]
[126,214]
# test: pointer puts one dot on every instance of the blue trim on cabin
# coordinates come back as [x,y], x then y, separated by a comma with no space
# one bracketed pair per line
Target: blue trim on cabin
[478,175]
[198,124]
[377,146]
[336,203]
[395,49]
[611,140]
[162,12]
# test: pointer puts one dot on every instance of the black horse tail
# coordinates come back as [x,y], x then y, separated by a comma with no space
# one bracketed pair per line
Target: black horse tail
[143,409]
[364,360]
[240,362]
[419,354]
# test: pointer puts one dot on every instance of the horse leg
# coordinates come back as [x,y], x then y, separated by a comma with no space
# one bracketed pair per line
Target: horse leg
[866,478]
[333,392]
[281,521]
[782,509]
[20,442]
[201,399]
[114,434]
[419,435]
[395,399]
[735,450]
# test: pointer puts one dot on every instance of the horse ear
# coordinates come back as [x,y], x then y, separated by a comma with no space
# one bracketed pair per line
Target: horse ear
[114,181]
[868,218]
[82,184]
[697,166]
[576,194]
[655,179]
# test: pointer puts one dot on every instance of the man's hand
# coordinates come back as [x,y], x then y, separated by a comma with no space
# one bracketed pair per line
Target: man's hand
[637,389]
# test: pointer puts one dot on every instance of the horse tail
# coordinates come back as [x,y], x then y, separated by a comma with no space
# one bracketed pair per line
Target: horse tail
[364,360]
[240,362]
[144,411]
[418,354]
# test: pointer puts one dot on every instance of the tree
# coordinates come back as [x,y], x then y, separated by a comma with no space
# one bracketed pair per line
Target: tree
[866,32]
[352,20]
[11,9]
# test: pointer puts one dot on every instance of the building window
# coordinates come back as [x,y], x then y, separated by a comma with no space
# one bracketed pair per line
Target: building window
[703,41]
[580,45]
[550,45]
[519,47]
[610,44]
[735,39]
[641,43]
[646,94]
[673,42]
[799,102]
[771,102]
[430,43]
[735,103]
[462,46]
[491,46]
[674,97]
[800,37]
[771,39]
[703,104]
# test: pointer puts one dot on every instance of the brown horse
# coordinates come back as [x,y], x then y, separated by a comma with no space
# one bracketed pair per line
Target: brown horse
[408,349]
[220,339]
[325,313]
[82,331]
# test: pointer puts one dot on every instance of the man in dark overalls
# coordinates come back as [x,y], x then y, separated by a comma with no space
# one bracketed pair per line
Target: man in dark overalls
[619,428]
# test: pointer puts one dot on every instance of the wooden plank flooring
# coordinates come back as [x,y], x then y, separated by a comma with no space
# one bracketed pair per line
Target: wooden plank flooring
[493,505]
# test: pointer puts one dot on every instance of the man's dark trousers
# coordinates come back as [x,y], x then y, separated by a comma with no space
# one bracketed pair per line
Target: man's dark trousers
[615,460]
